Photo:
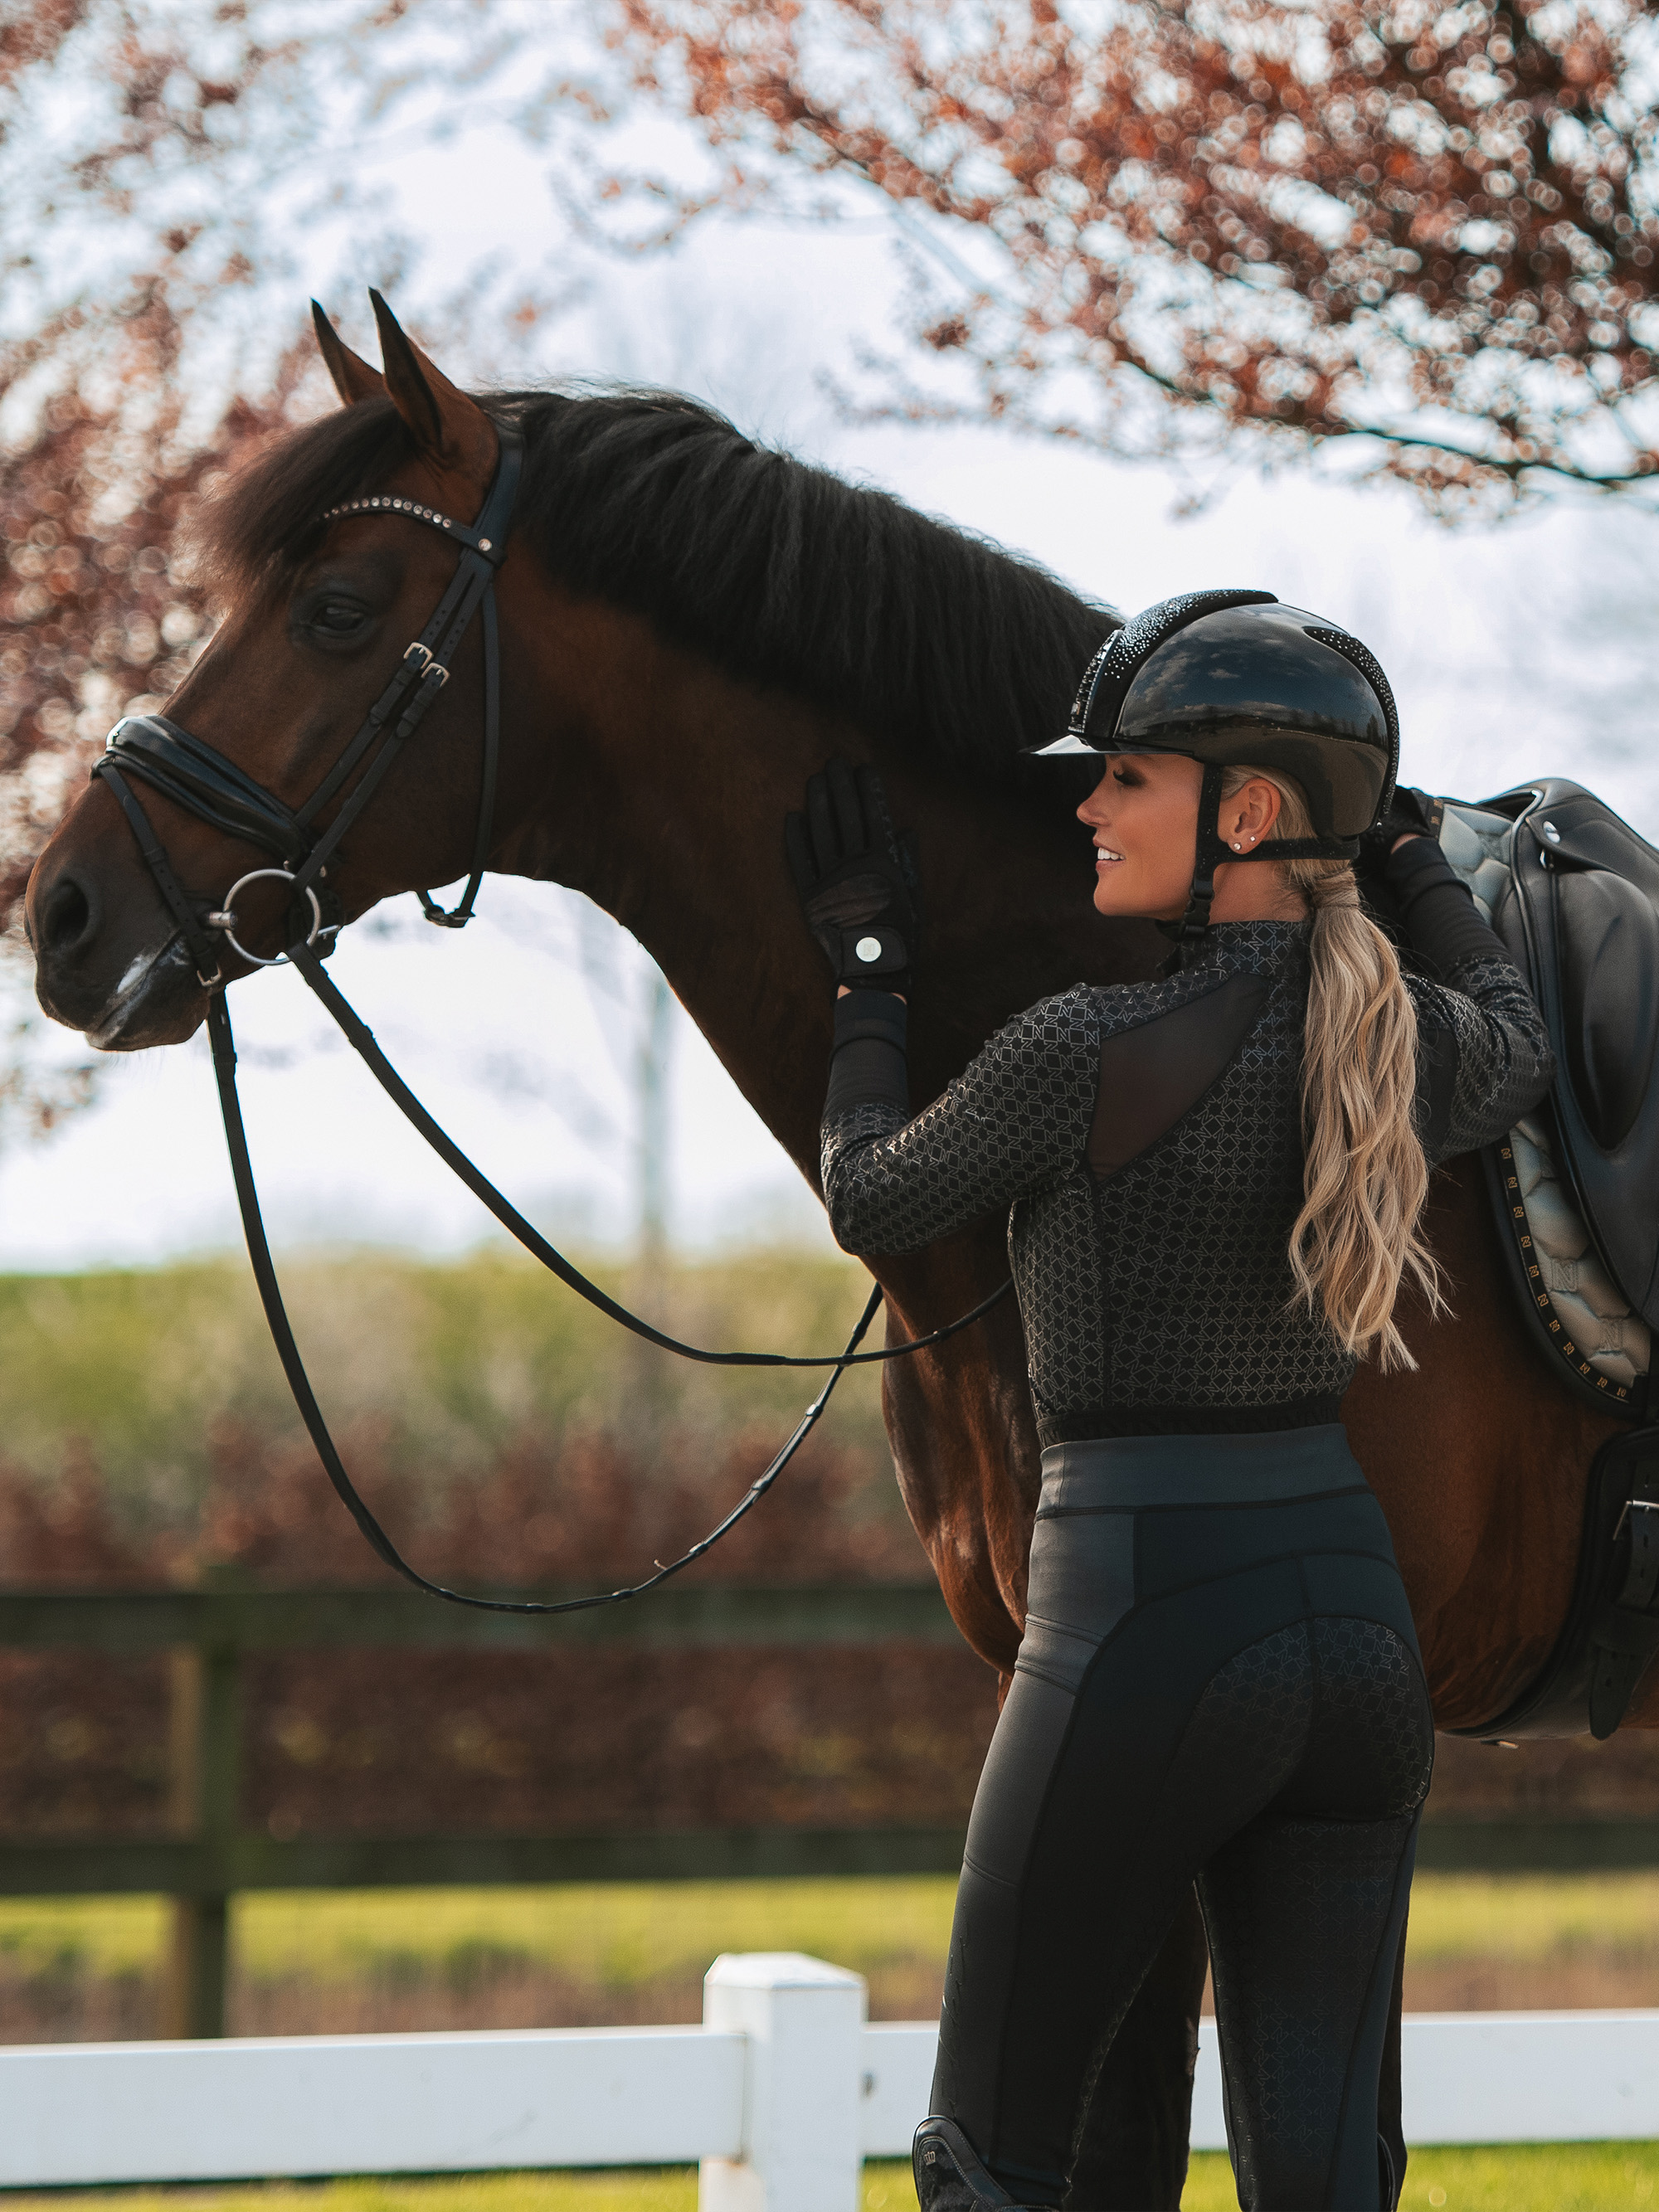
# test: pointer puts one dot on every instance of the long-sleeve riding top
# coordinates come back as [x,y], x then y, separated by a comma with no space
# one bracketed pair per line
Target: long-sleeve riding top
[1146,1141]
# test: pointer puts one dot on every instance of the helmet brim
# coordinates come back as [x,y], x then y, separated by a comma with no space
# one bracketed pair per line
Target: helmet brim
[1070,747]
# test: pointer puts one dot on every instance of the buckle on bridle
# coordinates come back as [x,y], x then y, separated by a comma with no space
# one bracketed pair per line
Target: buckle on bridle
[429,665]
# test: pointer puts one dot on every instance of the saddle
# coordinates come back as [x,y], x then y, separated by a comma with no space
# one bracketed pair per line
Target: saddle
[1573,892]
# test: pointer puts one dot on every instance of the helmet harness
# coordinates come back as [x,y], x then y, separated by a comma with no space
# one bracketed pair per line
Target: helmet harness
[1233,679]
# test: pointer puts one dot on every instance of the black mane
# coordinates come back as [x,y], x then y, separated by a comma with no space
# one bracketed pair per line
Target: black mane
[930,639]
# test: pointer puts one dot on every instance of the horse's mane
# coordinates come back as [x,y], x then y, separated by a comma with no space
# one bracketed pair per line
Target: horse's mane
[932,640]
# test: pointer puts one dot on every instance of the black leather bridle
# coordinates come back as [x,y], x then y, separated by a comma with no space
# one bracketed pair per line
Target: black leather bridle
[195,776]
[199,778]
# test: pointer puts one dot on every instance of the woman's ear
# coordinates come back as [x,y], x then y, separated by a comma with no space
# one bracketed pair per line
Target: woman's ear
[1248,817]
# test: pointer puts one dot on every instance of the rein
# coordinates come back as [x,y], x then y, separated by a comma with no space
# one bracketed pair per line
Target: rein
[195,776]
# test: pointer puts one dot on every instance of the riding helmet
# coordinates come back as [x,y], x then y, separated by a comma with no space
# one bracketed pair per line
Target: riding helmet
[1233,679]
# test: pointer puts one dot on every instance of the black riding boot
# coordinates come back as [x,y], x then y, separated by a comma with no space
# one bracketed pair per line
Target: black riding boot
[949,2175]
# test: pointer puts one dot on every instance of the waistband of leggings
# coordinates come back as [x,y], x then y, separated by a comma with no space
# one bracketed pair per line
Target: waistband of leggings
[1126,1473]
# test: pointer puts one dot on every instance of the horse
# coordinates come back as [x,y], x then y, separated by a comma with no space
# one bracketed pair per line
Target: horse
[690,624]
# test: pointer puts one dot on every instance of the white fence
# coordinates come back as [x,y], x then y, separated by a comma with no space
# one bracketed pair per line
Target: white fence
[779,2095]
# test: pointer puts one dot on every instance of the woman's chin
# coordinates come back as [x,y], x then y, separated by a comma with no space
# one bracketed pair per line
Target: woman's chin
[1119,902]
[1115,897]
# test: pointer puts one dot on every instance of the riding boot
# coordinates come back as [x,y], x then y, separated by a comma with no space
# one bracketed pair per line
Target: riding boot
[949,2175]
[1388,2185]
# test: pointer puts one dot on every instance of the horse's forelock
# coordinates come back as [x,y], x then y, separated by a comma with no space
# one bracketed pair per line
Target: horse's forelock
[264,522]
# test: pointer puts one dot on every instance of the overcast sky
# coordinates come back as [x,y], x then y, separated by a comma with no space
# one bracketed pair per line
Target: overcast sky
[1514,650]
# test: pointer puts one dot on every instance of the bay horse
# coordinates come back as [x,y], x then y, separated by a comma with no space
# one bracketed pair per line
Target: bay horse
[690,626]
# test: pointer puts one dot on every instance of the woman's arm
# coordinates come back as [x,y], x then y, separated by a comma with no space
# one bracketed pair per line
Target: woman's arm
[1483,1057]
[1019,1114]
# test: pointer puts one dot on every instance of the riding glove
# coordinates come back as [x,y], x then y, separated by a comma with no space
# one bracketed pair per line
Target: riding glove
[856,877]
[1412,813]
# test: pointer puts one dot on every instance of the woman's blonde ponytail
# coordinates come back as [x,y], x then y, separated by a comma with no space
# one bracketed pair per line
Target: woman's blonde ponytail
[1359,1234]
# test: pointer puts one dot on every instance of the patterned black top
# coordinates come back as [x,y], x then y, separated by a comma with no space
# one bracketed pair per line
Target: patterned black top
[1146,1140]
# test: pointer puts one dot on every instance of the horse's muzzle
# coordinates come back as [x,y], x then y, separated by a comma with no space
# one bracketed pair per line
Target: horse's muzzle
[125,987]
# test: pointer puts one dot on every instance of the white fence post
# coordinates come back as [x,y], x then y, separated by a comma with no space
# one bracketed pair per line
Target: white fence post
[803,2083]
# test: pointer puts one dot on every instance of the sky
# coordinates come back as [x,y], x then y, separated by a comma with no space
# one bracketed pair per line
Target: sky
[1514,649]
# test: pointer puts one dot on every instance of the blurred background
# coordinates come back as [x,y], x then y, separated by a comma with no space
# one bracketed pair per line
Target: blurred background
[1353,305]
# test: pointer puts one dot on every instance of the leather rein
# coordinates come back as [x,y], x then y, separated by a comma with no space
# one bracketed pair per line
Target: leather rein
[195,776]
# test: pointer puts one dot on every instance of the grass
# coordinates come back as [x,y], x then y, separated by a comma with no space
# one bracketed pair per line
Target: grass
[618,1936]
[1532,1917]
[453,1359]
[1538,2177]
[624,1935]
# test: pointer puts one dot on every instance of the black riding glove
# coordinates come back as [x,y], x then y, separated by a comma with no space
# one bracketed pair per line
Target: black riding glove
[856,877]
[1412,813]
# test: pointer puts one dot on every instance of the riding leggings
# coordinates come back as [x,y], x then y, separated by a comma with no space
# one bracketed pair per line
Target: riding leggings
[1220,1683]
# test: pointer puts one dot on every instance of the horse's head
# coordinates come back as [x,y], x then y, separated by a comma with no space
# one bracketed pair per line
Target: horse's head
[319,619]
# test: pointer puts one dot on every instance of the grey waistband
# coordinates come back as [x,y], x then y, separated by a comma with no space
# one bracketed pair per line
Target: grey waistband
[1122,1474]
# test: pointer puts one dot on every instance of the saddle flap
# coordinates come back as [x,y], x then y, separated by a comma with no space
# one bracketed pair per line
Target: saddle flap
[1609,957]
[1581,914]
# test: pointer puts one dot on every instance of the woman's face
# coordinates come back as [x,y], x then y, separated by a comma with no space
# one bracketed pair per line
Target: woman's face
[1144,813]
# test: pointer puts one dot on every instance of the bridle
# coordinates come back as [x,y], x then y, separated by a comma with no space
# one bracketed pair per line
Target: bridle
[199,778]
[195,776]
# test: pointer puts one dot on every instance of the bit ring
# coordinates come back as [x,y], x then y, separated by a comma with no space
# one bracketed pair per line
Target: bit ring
[225,919]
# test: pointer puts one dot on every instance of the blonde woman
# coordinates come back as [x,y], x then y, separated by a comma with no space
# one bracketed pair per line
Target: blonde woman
[1213,1184]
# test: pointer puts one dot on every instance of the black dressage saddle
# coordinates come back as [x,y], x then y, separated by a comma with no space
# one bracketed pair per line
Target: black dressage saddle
[1582,919]
[1574,893]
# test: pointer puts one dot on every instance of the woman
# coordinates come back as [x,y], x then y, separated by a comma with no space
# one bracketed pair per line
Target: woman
[1214,1182]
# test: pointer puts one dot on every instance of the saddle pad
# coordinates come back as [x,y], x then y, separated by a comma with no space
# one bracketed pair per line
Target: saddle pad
[1588,1319]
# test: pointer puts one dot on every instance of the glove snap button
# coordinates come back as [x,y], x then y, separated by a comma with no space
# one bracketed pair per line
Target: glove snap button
[868,948]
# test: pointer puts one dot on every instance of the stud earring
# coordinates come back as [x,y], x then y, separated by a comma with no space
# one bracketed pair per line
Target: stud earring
[1237,848]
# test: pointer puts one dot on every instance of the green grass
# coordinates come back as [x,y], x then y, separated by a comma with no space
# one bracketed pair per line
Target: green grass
[1530,1918]
[1529,2178]
[618,1936]
[451,1360]
[1540,2178]
[624,1935]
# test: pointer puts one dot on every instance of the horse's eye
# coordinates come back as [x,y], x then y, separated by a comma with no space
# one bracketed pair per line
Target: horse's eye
[337,618]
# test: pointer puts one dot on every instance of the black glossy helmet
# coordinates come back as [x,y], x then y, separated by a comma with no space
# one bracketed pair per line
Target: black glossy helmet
[1233,679]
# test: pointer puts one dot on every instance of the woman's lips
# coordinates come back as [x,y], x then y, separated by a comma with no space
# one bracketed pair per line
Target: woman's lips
[1106,858]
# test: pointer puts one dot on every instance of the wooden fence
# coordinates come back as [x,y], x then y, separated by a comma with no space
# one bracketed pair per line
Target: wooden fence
[208,1857]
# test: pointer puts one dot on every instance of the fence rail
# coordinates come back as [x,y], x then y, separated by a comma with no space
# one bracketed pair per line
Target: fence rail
[780,2095]
[208,1858]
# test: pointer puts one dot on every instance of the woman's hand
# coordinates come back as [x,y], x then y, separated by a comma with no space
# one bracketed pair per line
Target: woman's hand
[856,878]
[1410,814]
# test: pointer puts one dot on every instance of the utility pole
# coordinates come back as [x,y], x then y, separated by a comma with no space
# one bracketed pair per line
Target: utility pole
[656,1039]
[652,1383]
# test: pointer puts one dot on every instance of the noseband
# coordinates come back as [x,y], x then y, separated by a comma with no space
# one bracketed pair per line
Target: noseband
[199,778]
[196,776]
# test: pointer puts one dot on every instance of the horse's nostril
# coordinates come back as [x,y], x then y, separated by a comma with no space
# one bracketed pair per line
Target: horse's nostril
[66,918]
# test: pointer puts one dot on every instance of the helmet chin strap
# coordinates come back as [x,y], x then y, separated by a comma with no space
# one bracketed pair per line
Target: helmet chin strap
[1213,850]
[1189,932]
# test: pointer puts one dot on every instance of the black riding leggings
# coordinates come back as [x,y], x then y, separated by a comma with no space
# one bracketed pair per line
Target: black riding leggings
[1219,1682]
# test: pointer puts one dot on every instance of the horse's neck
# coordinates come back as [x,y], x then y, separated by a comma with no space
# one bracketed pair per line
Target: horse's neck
[645,778]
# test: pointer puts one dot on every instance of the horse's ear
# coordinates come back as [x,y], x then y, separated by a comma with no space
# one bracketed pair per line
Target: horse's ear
[353,380]
[449,428]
